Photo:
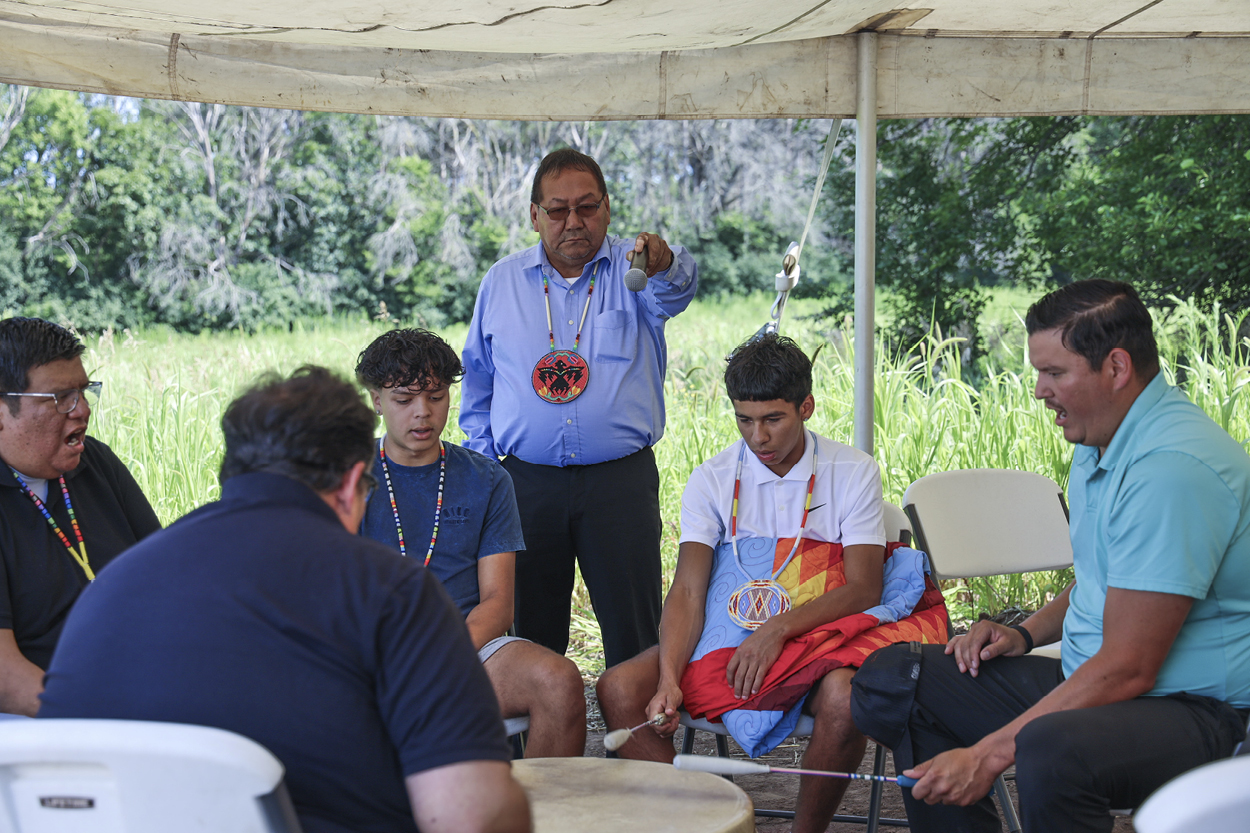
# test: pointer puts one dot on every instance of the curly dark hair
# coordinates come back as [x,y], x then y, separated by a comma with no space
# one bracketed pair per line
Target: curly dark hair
[1095,317]
[312,427]
[27,343]
[408,358]
[769,367]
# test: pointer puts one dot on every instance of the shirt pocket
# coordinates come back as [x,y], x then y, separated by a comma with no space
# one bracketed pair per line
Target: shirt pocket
[616,336]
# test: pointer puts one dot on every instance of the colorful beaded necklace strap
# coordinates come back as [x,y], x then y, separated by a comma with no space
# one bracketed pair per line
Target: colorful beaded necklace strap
[807,507]
[551,333]
[438,504]
[80,553]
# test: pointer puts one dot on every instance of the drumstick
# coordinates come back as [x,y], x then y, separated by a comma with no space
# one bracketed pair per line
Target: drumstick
[733,766]
[613,741]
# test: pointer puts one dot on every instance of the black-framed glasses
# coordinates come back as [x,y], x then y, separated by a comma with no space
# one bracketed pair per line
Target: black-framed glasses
[561,213]
[67,400]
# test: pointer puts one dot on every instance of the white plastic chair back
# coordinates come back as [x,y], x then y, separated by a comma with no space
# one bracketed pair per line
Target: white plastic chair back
[984,522]
[127,776]
[1211,797]
[896,523]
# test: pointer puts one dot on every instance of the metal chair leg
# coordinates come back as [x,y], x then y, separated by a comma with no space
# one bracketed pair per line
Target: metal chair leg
[518,745]
[1005,805]
[874,801]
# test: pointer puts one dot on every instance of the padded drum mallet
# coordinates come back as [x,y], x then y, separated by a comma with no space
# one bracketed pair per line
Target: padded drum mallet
[613,741]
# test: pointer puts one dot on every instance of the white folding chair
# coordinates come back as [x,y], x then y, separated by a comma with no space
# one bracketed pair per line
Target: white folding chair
[515,728]
[129,776]
[986,522]
[1211,797]
[897,528]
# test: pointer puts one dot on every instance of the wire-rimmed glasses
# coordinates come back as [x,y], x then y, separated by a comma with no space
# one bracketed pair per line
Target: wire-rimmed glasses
[67,400]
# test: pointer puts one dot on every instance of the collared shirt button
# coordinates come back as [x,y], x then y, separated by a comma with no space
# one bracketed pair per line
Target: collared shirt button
[572,453]
[569,421]
[570,322]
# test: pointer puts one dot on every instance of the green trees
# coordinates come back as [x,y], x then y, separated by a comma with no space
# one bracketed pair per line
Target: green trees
[964,204]
[1160,202]
[117,212]
[120,213]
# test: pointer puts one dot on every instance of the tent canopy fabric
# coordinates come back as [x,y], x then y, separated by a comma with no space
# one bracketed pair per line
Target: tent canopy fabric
[642,59]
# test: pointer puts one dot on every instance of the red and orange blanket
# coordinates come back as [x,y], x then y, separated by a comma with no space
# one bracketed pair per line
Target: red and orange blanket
[912,609]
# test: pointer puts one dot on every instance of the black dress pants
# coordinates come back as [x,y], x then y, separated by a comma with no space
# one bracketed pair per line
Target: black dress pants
[606,518]
[1072,767]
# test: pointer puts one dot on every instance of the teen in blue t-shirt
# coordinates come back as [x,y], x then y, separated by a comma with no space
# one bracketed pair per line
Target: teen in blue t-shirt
[455,511]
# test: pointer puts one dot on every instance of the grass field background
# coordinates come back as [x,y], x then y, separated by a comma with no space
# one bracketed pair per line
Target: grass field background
[164,395]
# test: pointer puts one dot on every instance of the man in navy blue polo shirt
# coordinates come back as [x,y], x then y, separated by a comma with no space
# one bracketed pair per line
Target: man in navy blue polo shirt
[455,511]
[265,614]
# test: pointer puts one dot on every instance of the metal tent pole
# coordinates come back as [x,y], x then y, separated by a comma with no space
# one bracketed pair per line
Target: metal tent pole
[865,237]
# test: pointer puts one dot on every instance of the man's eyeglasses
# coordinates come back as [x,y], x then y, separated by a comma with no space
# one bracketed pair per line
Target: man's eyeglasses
[67,400]
[561,213]
[369,482]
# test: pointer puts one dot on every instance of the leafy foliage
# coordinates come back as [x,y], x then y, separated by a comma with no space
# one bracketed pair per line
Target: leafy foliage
[965,204]
[949,194]
[207,217]
[117,212]
[1159,202]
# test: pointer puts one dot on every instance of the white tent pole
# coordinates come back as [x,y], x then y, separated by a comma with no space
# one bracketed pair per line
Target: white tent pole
[865,236]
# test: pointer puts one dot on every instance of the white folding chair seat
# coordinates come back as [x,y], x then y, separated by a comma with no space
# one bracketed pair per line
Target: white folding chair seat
[125,776]
[515,728]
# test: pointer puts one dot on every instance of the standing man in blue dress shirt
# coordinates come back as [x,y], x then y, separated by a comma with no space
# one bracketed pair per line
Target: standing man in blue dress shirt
[564,379]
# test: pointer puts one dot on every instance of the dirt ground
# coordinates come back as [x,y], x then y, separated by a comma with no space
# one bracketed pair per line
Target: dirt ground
[779,791]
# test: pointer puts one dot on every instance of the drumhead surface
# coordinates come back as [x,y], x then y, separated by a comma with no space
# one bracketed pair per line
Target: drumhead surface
[573,795]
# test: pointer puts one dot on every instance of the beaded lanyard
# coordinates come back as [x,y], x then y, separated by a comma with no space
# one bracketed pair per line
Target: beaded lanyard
[80,557]
[438,504]
[551,333]
[561,375]
[757,601]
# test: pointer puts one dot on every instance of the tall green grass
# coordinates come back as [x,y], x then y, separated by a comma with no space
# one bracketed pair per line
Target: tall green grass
[164,395]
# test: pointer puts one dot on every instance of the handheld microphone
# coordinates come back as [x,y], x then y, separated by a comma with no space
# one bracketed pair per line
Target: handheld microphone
[636,277]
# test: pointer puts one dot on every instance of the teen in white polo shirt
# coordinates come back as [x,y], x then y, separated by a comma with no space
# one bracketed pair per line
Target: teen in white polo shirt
[775,466]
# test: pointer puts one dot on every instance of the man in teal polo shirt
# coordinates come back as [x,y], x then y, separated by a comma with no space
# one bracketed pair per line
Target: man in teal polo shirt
[1155,675]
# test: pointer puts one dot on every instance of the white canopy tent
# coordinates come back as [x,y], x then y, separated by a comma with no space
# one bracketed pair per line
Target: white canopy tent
[654,59]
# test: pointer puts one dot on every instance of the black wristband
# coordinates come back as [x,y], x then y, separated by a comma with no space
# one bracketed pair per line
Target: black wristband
[1028,637]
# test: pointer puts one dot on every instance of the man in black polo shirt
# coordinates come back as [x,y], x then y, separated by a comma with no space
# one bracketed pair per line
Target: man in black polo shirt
[265,614]
[48,551]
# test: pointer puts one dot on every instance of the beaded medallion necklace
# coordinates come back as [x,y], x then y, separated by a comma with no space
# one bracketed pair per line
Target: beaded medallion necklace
[561,375]
[758,600]
[438,504]
[79,554]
